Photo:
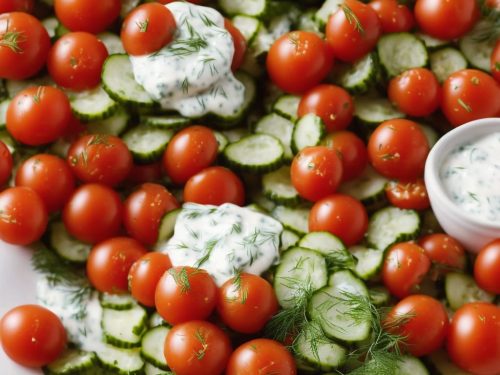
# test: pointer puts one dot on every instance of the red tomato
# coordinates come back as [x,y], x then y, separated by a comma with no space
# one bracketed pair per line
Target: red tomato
[468,95]
[215,185]
[445,19]
[246,302]
[240,44]
[171,1]
[404,267]
[495,62]
[473,340]
[445,252]
[141,173]
[197,347]
[32,335]
[332,103]
[352,152]
[394,17]
[261,356]
[416,92]
[50,177]
[398,149]
[147,29]
[24,45]
[185,293]
[353,30]
[38,115]
[410,195]
[6,163]
[23,216]
[145,274]
[298,61]
[26,6]
[422,321]
[75,61]
[93,213]
[92,16]
[109,263]
[100,158]
[144,209]
[316,172]
[341,215]
[487,267]
[189,152]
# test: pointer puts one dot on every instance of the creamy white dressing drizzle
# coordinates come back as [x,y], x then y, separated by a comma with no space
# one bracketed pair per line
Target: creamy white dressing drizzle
[192,74]
[471,177]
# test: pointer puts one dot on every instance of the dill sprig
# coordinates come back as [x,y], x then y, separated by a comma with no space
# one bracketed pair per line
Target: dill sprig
[209,246]
[200,354]
[239,289]
[187,47]
[181,278]
[352,18]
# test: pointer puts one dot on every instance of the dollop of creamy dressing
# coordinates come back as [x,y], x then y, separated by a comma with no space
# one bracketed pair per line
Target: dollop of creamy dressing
[471,177]
[192,74]
[224,240]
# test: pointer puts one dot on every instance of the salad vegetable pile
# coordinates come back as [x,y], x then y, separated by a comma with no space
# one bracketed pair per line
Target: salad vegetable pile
[236,187]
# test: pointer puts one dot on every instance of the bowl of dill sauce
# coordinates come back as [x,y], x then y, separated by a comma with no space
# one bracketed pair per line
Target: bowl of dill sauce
[462,176]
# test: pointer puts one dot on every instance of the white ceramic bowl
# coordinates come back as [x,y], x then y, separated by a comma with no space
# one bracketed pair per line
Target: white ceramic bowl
[472,232]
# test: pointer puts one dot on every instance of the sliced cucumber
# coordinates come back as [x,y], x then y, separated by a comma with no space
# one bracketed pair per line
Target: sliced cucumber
[166,122]
[294,218]
[156,320]
[373,110]
[254,8]
[327,9]
[147,143]
[278,187]
[478,52]
[67,246]
[287,106]
[4,104]
[50,24]
[446,61]
[14,87]
[379,295]
[432,43]
[121,361]
[92,104]
[279,127]
[307,22]
[222,141]
[399,52]
[369,187]
[167,225]
[409,365]
[369,261]
[461,289]
[72,361]
[112,42]
[117,301]
[152,346]
[124,328]
[149,369]
[248,26]
[114,125]
[288,239]
[330,246]
[360,77]
[308,131]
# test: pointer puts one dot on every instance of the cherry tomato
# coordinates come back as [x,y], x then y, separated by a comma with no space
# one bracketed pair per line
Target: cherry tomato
[141,173]
[352,152]
[144,209]
[240,44]
[416,92]
[422,321]
[261,356]
[473,340]
[76,59]
[100,158]
[445,252]
[92,16]
[32,335]
[185,293]
[6,163]
[145,274]
[215,185]
[394,17]
[109,263]
[246,302]
[398,149]
[171,1]
[341,215]
[26,6]
[404,267]
[316,172]
[93,213]
[189,152]
[332,103]
[38,115]
[147,29]
[353,30]
[468,95]
[495,62]
[409,195]
[23,216]
[24,45]
[487,267]
[298,61]
[446,19]
[50,177]
[197,347]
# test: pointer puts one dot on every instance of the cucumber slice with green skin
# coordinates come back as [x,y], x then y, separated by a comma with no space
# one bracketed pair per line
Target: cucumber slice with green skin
[307,22]
[280,128]
[147,143]
[92,105]
[123,328]
[72,362]
[118,81]
[152,346]
[432,43]
[330,246]
[167,225]
[461,289]
[409,365]
[67,246]
[278,187]
[295,219]
[114,125]
[330,307]
[166,122]
[222,141]
[117,301]
[299,268]
[390,225]
[478,52]
[287,106]
[248,26]
[372,110]
[234,135]
[369,261]
[121,361]
[309,130]
[255,153]
[369,187]
[149,369]
[4,104]
[360,77]
[379,295]
[112,42]
[50,24]
[156,320]
[14,87]
[254,8]
[399,52]
[288,239]
[6,138]
[446,61]
[327,9]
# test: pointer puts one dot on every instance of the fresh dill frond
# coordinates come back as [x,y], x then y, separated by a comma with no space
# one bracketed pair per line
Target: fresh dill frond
[187,47]
[181,278]
[209,246]
[352,18]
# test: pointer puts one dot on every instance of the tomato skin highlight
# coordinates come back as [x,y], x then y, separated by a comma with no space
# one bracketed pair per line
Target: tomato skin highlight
[93,16]
[32,335]
[487,267]
[394,17]
[473,340]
